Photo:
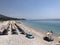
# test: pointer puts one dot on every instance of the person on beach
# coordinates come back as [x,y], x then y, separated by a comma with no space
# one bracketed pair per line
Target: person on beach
[48,36]
[48,33]
[51,32]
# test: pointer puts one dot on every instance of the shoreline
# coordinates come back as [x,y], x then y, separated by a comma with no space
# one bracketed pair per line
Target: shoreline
[53,28]
[39,30]
[20,39]
[39,34]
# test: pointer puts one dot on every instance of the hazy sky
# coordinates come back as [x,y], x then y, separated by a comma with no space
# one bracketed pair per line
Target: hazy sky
[31,9]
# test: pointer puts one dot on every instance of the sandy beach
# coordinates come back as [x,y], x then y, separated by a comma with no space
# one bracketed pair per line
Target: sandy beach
[38,34]
[23,40]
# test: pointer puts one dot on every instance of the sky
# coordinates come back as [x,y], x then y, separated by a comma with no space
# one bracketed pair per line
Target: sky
[31,9]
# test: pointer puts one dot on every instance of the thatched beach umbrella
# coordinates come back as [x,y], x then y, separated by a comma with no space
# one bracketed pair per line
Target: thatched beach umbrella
[2,29]
[14,31]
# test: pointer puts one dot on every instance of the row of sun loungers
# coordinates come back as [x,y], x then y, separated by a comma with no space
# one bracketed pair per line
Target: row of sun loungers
[14,31]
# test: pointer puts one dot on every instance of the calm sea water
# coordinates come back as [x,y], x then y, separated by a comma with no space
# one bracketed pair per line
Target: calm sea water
[45,25]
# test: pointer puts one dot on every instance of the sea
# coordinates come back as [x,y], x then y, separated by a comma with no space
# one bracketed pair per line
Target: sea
[44,25]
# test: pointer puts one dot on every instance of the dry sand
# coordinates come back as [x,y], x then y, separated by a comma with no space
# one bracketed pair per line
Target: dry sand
[22,40]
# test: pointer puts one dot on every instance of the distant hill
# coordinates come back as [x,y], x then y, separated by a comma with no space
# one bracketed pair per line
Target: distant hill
[5,18]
